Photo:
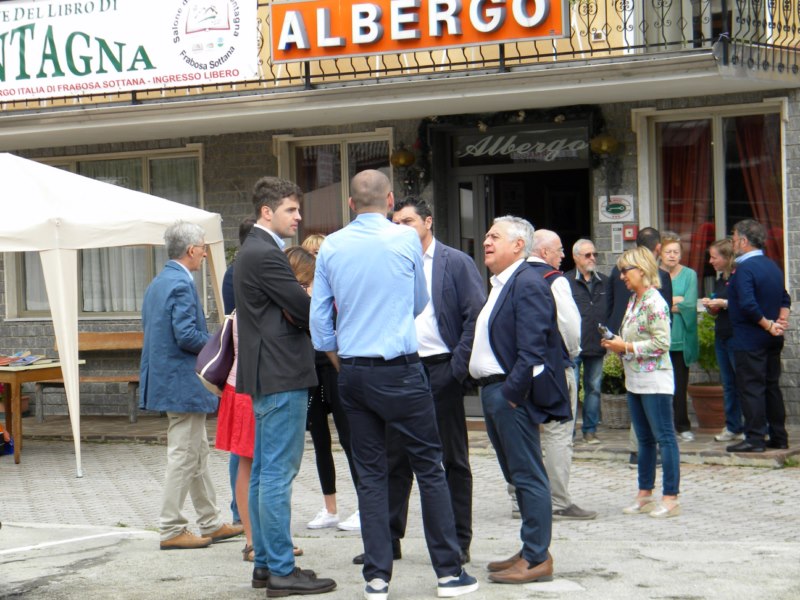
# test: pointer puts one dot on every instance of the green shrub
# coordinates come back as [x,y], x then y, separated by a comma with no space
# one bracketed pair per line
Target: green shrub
[613,375]
[707,359]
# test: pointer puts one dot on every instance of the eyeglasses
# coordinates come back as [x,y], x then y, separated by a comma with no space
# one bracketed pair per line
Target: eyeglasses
[629,268]
[590,255]
[203,247]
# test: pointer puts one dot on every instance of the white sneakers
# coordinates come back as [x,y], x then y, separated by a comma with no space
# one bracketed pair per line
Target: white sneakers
[686,436]
[324,519]
[728,436]
[351,523]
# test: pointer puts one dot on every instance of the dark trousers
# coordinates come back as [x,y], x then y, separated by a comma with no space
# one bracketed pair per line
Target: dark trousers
[519,451]
[324,399]
[451,421]
[397,398]
[679,406]
[758,374]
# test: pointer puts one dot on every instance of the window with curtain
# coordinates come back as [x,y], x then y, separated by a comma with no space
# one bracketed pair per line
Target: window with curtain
[113,280]
[321,167]
[702,192]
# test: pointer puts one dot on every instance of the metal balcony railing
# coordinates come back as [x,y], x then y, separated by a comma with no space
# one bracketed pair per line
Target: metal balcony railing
[759,35]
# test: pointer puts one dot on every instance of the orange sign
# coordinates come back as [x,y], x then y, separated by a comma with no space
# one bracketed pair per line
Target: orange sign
[314,29]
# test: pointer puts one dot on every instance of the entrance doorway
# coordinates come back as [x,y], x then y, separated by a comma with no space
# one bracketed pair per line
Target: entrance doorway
[555,200]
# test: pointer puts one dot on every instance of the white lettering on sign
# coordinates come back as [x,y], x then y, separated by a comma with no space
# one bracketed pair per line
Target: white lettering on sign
[366,28]
[324,39]
[293,31]
[444,12]
[478,15]
[504,146]
[400,18]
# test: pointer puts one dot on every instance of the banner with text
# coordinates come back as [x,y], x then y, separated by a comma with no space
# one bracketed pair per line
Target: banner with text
[312,29]
[55,48]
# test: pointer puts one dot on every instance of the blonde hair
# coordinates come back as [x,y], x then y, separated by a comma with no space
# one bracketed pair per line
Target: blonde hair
[313,242]
[641,258]
[725,249]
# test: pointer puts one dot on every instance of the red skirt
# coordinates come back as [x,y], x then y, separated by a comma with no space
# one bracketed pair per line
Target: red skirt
[236,423]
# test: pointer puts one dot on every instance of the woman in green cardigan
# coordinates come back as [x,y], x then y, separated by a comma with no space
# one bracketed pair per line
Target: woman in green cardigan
[684,348]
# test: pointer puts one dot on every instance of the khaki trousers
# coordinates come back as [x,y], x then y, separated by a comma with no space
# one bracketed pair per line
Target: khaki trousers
[557,449]
[187,473]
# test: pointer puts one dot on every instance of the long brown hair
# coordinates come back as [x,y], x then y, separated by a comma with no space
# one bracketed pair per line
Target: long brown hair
[302,263]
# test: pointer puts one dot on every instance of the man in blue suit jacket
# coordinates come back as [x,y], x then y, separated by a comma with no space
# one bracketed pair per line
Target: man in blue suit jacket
[445,329]
[174,333]
[517,360]
[758,306]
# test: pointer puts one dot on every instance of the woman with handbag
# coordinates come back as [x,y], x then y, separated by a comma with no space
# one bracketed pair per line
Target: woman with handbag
[644,343]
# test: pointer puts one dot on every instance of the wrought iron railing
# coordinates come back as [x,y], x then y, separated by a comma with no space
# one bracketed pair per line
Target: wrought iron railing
[759,35]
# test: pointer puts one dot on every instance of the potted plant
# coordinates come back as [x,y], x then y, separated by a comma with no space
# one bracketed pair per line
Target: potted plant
[707,397]
[614,399]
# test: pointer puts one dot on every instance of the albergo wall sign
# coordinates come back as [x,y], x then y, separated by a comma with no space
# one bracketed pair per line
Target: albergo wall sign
[314,29]
[76,47]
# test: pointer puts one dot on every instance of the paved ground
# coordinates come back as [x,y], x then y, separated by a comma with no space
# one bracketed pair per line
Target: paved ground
[94,537]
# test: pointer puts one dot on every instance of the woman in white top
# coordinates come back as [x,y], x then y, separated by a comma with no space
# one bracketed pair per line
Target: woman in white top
[644,342]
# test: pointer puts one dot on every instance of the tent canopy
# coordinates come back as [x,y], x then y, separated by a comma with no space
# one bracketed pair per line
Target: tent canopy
[56,213]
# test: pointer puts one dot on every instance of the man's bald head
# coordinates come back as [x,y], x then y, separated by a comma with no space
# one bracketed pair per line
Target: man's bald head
[547,246]
[370,191]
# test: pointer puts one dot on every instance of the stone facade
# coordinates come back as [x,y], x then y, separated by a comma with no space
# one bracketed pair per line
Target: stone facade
[231,163]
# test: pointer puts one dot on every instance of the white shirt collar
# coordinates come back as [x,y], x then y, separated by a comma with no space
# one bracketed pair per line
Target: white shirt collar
[278,239]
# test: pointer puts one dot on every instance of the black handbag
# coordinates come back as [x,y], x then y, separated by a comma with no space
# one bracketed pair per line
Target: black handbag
[216,358]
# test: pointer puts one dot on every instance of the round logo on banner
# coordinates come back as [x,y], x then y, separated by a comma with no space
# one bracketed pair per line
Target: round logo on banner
[618,208]
[204,32]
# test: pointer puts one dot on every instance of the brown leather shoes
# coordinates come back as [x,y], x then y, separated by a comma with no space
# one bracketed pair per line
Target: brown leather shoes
[226,531]
[502,565]
[522,572]
[185,540]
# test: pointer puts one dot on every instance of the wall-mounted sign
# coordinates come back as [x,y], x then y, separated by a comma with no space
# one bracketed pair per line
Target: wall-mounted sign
[312,29]
[78,47]
[616,210]
[521,146]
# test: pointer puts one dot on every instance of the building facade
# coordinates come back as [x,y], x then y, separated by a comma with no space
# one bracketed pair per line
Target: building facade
[682,115]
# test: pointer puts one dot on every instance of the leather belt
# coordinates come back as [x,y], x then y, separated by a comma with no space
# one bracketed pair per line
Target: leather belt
[483,381]
[436,359]
[370,361]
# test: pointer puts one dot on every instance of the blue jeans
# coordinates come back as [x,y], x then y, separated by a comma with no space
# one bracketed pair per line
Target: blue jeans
[233,471]
[592,380]
[280,432]
[727,372]
[651,415]
[516,441]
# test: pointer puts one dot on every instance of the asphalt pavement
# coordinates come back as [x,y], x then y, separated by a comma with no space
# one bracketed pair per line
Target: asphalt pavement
[96,537]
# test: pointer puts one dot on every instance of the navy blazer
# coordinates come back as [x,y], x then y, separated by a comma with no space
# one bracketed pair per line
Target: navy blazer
[457,292]
[755,290]
[523,333]
[174,333]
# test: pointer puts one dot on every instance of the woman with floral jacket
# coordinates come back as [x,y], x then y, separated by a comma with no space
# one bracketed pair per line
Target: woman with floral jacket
[644,342]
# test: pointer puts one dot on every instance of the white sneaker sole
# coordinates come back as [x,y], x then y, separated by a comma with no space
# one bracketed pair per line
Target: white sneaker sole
[459,591]
[348,527]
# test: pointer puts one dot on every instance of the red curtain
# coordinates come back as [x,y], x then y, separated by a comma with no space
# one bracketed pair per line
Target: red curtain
[686,187]
[759,156]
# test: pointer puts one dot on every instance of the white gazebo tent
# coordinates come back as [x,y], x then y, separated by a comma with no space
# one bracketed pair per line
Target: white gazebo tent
[57,213]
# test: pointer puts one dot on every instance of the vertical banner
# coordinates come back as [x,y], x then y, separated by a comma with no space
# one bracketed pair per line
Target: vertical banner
[54,48]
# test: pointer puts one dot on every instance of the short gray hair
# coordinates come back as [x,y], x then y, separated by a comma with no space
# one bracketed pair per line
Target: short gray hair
[576,247]
[180,235]
[518,229]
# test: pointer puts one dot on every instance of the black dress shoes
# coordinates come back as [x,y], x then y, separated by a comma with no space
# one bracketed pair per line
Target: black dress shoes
[298,583]
[396,553]
[261,576]
[746,446]
[777,445]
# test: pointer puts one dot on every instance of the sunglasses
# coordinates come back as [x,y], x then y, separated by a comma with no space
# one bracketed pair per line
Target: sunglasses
[590,255]
[626,269]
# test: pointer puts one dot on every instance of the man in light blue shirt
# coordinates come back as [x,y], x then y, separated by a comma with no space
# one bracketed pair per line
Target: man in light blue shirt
[372,270]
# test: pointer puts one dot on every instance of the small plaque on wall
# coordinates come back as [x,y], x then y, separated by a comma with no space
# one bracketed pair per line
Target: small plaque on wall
[618,209]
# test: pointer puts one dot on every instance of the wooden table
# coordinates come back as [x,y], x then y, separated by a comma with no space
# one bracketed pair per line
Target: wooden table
[14,377]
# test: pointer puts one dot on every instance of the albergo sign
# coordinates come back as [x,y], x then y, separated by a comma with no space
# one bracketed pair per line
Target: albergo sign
[314,29]
[76,47]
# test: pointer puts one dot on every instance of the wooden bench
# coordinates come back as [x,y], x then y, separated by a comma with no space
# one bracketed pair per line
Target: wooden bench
[106,341]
